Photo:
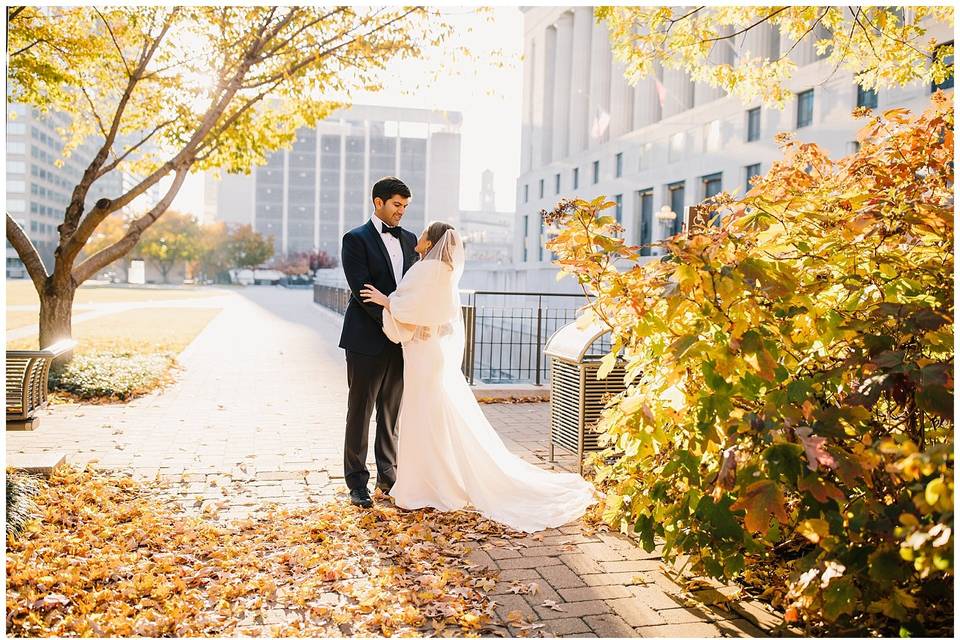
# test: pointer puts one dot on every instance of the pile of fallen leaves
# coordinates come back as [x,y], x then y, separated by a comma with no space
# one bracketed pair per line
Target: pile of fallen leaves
[108,558]
[510,399]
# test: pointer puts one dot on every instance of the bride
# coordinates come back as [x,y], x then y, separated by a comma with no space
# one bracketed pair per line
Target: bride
[449,455]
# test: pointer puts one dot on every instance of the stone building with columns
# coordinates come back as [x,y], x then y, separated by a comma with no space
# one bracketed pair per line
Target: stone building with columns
[666,143]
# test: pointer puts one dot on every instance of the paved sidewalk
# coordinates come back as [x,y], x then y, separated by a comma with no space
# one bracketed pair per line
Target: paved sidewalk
[257,416]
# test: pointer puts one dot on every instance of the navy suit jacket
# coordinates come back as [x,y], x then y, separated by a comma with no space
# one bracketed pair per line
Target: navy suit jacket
[365,261]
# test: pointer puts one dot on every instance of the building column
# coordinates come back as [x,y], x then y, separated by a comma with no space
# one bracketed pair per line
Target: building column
[580,80]
[646,99]
[679,92]
[720,53]
[318,148]
[526,131]
[621,102]
[549,83]
[601,62]
[562,86]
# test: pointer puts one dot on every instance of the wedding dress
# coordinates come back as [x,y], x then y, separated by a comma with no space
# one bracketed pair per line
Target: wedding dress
[449,456]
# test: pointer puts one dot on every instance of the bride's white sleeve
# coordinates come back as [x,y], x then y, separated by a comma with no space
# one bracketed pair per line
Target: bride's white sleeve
[422,299]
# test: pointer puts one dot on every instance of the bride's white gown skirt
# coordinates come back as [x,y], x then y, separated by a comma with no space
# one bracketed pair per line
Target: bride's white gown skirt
[451,458]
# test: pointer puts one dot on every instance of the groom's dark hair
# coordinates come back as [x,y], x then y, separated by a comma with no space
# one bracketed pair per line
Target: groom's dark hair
[388,187]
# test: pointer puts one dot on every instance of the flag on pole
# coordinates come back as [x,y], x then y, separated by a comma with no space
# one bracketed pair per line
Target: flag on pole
[661,91]
[600,124]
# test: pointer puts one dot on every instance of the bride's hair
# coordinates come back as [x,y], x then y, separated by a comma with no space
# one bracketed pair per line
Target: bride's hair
[435,233]
[436,230]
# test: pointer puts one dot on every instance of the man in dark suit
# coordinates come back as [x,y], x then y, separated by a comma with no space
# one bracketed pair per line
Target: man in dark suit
[378,253]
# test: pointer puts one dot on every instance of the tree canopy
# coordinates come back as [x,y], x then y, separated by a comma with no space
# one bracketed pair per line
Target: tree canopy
[883,46]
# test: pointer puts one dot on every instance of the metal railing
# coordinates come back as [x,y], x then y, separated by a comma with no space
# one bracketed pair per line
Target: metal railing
[505,331]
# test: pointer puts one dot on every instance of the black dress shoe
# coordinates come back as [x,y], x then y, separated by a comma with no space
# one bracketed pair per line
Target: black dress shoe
[385,488]
[361,497]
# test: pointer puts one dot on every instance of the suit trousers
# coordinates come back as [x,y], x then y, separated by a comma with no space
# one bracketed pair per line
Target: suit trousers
[373,382]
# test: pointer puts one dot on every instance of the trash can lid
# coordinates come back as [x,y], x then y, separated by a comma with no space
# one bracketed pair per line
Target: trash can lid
[570,342]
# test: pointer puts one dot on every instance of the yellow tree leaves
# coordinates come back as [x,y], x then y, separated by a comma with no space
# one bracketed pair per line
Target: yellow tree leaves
[883,46]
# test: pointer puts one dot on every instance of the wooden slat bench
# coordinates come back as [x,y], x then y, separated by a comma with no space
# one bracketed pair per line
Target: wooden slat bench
[27,380]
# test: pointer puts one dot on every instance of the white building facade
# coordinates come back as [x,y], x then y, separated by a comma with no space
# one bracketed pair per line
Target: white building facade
[586,132]
[308,196]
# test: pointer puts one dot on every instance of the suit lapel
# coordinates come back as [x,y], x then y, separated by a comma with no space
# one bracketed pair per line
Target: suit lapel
[409,255]
[378,240]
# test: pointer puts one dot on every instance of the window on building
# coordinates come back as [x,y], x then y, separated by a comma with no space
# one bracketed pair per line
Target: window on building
[576,178]
[947,82]
[540,239]
[645,231]
[753,124]
[711,136]
[805,108]
[541,187]
[866,98]
[526,235]
[16,127]
[596,171]
[16,186]
[675,191]
[853,146]
[712,184]
[618,210]
[750,171]
[677,143]
[556,185]
[16,147]
[619,164]
[526,193]
[646,153]
[17,206]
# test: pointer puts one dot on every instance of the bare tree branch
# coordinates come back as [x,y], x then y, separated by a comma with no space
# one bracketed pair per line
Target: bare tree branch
[14,12]
[86,269]
[805,34]
[113,165]
[27,48]
[18,238]
[744,30]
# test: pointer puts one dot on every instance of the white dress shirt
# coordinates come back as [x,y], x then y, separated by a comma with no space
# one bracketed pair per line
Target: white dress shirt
[393,248]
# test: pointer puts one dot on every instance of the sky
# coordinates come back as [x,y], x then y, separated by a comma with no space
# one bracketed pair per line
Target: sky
[488,96]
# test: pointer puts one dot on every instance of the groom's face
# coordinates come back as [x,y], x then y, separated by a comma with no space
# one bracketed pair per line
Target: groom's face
[391,211]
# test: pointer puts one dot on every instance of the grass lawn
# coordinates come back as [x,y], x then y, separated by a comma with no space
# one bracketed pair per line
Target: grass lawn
[21,292]
[137,331]
[17,319]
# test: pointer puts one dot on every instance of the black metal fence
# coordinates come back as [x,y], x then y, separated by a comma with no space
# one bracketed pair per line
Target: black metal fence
[505,331]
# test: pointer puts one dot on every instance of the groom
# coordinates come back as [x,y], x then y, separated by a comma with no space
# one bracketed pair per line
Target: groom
[378,253]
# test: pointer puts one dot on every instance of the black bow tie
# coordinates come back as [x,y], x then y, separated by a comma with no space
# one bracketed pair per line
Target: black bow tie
[394,231]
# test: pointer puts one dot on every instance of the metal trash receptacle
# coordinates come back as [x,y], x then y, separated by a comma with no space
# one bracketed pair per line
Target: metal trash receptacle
[576,396]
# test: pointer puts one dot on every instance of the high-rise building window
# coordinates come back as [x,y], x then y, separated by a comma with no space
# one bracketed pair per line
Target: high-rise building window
[596,171]
[805,108]
[541,187]
[866,98]
[753,124]
[618,210]
[526,193]
[556,180]
[576,178]
[619,164]
[750,171]
[948,81]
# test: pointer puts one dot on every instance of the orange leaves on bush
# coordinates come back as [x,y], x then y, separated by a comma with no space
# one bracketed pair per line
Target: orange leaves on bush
[761,500]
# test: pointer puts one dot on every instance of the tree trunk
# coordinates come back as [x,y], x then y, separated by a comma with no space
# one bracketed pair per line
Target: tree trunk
[56,317]
[164,271]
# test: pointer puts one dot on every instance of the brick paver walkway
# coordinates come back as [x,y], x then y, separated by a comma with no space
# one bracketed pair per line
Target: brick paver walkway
[257,416]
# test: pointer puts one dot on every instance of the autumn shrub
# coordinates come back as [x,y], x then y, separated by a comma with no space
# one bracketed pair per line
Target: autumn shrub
[112,376]
[789,409]
[21,490]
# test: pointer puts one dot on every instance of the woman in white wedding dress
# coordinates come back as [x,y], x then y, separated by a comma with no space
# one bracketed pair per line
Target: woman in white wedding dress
[450,457]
